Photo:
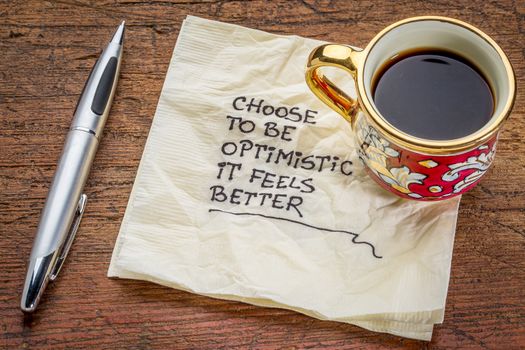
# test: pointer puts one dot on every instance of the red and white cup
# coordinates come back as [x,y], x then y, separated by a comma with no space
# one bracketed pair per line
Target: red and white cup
[409,166]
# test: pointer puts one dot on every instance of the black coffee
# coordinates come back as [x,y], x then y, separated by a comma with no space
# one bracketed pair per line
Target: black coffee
[433,94]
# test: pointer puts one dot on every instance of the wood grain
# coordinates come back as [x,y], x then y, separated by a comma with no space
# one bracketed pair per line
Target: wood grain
[47,49]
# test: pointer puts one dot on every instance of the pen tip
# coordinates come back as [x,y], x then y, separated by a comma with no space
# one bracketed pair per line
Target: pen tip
[36,281]
[118,37]
[28,309]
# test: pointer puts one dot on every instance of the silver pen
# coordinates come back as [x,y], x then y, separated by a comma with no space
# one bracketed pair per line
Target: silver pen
[65,201]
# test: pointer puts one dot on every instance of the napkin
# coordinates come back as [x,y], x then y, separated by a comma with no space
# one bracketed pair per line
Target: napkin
[250,189]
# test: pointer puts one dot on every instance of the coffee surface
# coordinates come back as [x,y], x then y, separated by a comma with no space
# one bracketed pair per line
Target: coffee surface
[433,94]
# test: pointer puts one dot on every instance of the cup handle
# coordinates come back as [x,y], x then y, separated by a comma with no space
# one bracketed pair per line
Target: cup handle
[339,56]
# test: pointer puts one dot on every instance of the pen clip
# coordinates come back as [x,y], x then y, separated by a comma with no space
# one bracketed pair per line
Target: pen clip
[64,249]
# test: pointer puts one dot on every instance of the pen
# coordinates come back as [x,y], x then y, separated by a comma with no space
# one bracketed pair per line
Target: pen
[65,201]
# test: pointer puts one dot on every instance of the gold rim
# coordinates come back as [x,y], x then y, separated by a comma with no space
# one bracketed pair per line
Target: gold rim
[434,146]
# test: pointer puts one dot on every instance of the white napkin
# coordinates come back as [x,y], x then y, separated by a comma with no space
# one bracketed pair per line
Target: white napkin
[270,205]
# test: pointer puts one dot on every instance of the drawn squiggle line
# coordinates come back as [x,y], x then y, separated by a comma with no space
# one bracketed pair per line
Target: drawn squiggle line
[354,239]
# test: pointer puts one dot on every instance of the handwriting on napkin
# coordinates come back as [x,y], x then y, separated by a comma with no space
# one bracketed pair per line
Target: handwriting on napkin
[273,127]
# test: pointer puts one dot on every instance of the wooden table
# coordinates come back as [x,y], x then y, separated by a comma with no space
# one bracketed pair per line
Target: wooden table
[47,49]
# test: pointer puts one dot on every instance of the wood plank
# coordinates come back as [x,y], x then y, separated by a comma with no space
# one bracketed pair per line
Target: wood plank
[47,50]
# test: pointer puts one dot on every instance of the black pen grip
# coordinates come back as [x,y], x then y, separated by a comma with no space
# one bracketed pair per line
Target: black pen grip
[103,91]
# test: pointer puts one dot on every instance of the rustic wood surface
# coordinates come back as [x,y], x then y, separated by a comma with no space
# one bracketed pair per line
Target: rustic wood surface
[47,49]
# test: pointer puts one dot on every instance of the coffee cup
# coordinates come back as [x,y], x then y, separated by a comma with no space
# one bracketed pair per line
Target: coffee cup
[428,138]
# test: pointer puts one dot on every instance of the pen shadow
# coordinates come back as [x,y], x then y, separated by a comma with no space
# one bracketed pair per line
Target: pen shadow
[27,320]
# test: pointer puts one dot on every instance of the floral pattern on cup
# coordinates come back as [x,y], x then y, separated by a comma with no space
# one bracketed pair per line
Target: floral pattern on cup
[375,152]
[420,176]
[480,164]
